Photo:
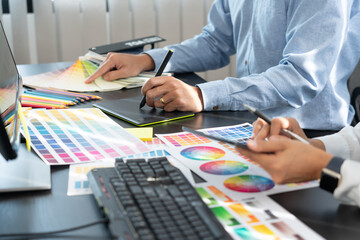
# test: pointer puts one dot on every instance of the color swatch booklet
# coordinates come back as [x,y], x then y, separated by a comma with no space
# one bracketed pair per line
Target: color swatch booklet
[72,78]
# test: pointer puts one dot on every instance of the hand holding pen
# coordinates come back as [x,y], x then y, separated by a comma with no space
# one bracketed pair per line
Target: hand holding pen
[158,73]
[283,131]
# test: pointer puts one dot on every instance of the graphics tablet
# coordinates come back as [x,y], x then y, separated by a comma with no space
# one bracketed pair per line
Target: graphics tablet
[128,110]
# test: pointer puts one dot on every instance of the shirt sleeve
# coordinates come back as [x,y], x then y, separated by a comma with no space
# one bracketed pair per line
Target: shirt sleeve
[313,43]
[209,50]
[345,144]
[314,37]
[348,191]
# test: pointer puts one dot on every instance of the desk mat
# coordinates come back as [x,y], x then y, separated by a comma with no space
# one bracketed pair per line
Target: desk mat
[128,110]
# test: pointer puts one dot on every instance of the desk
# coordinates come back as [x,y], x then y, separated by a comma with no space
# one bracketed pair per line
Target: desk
[40,211]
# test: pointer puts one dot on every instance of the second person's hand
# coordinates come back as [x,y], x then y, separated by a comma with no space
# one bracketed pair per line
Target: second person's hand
[172,94]
[120,65]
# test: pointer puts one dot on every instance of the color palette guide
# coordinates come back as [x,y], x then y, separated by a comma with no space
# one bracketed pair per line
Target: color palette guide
[253,218]
[72,79]
[69,136]
[221,165]
[78,183]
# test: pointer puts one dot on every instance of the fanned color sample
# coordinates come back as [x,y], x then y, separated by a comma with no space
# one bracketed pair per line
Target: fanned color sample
[73,79]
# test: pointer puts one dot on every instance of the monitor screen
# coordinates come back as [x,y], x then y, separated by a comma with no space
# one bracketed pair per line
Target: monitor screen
[10,87]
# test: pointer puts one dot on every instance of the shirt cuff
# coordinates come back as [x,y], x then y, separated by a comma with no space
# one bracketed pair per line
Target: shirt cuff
[215,95]
[336,145]
[157,55]
[348,191]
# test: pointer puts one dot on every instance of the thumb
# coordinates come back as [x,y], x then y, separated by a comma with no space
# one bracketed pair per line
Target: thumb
[275,143]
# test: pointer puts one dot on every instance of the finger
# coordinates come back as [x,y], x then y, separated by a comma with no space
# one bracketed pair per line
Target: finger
[264,159]
[116,74]
[277,143]
[160,102]
[263,133]
[257,125]
[107,66]
[153,82]
[170,106]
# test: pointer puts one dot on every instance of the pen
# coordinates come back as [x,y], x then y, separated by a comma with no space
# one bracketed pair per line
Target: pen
[158,73]
[286,132]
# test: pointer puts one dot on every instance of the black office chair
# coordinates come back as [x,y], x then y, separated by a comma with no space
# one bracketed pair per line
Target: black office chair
[355,102]
[354,88]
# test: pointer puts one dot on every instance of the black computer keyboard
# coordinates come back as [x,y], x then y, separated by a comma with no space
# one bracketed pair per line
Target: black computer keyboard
[150,199]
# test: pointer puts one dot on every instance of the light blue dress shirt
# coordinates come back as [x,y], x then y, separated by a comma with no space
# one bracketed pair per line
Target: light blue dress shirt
[293,58]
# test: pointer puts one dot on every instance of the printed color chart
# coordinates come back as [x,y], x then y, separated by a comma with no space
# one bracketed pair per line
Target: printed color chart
[79,135]
[221,165]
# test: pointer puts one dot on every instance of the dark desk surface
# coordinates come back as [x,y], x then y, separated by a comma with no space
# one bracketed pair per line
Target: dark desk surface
[39,211]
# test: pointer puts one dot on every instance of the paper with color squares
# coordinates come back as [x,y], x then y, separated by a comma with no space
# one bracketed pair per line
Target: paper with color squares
[256,217]
[72,79]
[221,165]
[69,136]
[78,183]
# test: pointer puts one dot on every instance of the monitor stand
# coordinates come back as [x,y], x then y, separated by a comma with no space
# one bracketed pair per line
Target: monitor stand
[25,173]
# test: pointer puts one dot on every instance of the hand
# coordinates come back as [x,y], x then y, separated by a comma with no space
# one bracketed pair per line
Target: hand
[175,95]
[120,65]
[262,129]
[286,160]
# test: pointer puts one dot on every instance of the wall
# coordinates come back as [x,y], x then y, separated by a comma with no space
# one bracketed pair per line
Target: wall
[63,30]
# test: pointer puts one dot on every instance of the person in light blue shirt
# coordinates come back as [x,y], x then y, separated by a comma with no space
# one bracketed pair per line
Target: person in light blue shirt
[293,59]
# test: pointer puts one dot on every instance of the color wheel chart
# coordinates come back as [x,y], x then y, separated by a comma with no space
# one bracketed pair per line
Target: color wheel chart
[254,217]
[219,163]
[68,136]
[72,79]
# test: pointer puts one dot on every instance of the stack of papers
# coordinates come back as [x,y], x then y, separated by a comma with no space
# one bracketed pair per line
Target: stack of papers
[73,79]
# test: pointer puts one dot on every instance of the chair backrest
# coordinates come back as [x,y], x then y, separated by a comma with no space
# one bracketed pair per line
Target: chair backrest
[355,102]
[354,89]
[63,30]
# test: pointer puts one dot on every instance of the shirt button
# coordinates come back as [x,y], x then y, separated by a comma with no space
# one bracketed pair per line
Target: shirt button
[216,108]
[245,62]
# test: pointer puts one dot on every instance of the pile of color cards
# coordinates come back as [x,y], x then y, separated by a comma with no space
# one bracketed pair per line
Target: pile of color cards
[73,79]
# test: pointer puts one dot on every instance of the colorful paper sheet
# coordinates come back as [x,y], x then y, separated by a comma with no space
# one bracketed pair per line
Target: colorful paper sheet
[70,136]
[221,165]
[78,183]
[257,217]
[72,79]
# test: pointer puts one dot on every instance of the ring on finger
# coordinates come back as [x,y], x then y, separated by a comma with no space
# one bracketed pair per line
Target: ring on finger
[162,101]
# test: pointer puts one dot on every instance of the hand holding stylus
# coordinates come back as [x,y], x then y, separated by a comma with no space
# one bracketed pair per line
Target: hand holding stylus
[158,73]
[283,131]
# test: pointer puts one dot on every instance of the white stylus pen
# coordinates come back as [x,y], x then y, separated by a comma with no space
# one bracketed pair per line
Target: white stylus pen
[286,132]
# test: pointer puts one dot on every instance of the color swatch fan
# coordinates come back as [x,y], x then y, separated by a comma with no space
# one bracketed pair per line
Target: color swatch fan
[73,79]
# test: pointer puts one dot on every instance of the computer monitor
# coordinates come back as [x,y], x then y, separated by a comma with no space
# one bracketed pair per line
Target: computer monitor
[19,169]
[10,90]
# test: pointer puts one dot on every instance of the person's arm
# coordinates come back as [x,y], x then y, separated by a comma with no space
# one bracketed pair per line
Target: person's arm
[345,143]
[315,35]
[210,49]
[348,190]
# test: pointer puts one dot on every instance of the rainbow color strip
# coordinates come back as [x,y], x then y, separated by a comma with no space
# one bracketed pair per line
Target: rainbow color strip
[203,153]
[249,183]
[224,167]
